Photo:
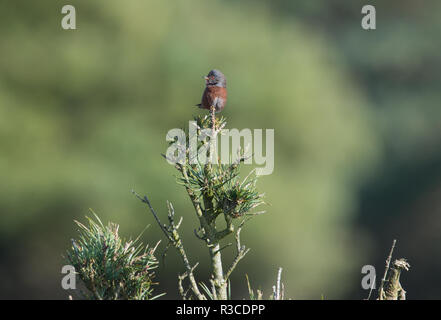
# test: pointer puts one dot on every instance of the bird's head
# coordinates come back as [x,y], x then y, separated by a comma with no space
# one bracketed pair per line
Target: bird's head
[215,78]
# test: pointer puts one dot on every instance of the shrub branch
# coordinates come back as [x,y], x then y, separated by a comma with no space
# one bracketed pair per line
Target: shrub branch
[171,233]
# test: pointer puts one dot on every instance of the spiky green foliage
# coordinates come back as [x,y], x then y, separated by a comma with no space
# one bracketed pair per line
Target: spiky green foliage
[204,121]
[221,182]
[215,189]
[231,196]
[110,267]
[238,198]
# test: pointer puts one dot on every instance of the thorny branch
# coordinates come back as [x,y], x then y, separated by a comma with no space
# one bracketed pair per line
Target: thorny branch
[278,289]
[181,278]
[388,260]
[171,232]
[241,251]
[213,190]
[394,290]
[390,288]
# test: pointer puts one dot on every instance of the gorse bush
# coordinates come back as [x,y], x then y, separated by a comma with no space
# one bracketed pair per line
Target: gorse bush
[110,267]
[215,189]
[220,185]
[114,269]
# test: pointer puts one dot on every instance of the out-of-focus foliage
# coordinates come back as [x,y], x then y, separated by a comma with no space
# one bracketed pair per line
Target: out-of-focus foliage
[84,114]
[398,64]
[399,67]
[110,267]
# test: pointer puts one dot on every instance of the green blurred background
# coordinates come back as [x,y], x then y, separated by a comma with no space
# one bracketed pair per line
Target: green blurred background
[357,119]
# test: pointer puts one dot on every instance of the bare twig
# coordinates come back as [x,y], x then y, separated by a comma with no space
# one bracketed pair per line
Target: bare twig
[394,290]
[225,246]
[146,201]
[171,232]
[181,278]
[241,251]
[388,260]
[282,293]
[182,292]
[279,276]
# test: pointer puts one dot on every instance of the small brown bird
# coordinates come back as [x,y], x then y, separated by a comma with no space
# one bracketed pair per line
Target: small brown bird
[215,93]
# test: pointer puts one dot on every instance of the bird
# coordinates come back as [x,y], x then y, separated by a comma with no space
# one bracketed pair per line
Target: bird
[215,93]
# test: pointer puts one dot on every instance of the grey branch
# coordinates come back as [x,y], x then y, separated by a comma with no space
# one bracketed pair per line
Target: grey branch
[393,289]
[241,251]
[181,278]
[279,288]
[171,232]
[388,260]
[279,276]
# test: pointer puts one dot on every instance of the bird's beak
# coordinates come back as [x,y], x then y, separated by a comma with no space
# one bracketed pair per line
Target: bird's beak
[205,77]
